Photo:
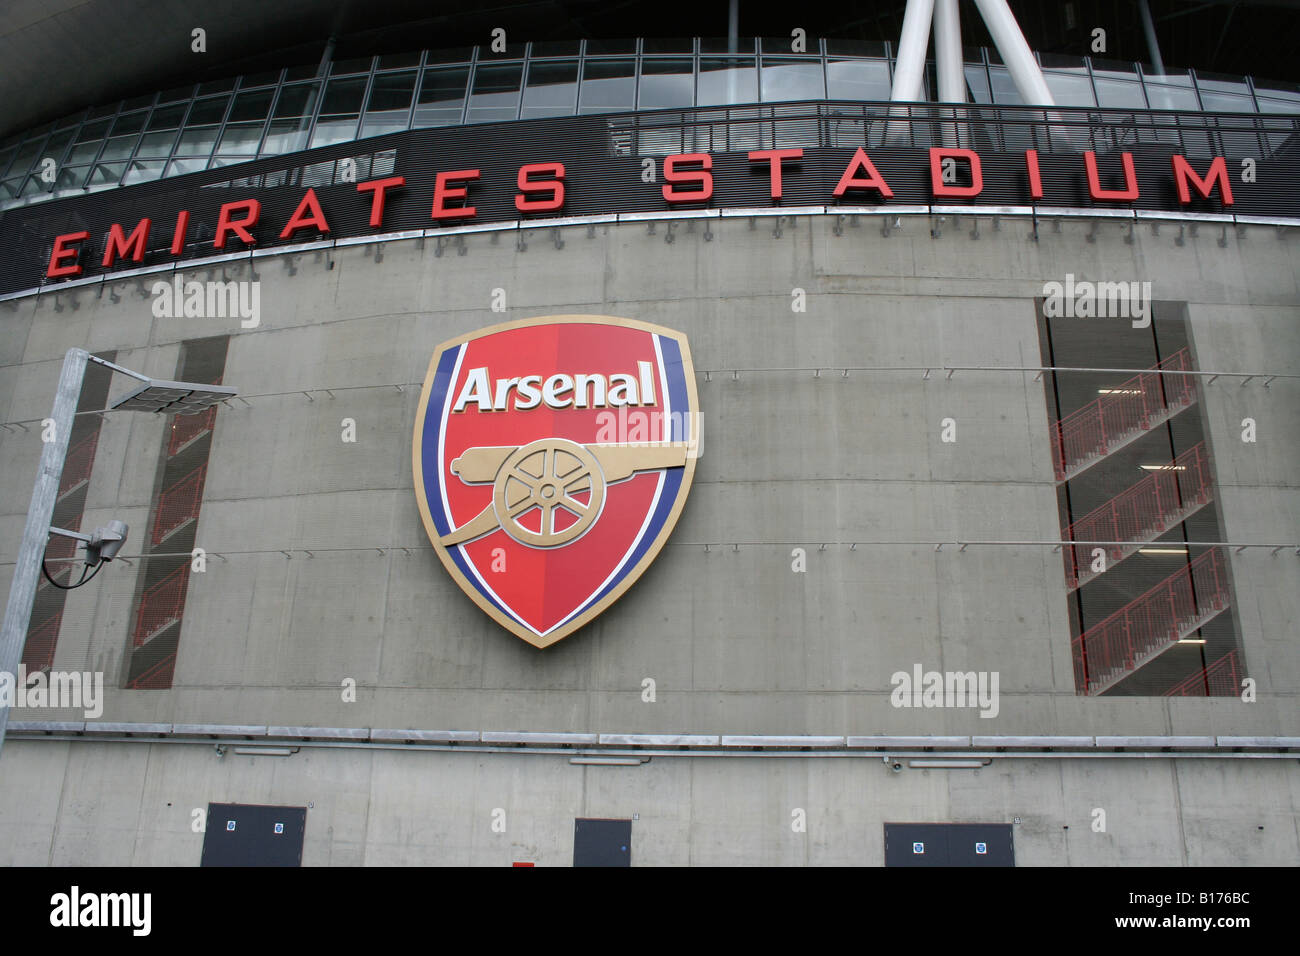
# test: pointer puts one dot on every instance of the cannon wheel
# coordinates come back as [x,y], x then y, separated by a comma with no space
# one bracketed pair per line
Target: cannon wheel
[545,474]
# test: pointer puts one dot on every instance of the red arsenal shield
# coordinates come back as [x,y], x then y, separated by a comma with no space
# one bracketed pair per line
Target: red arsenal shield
[552,457]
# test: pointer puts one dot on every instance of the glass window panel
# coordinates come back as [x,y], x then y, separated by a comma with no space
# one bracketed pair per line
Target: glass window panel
[343,96]
[336,129]
[92,131]
[496,92]
[129,123]
[34,186]
[380,124]
[977,84]
[69,121]
[27,156]
[1121,90]
[1164,97]
[1070,89]
[610,47]
[727,80]
[197,142]
[304,71]
[1004,90]
[658,45]
[118,148]
[552,89]
[138,102]
[855,48]
[179,167]
[72,177]
[284,136]
[295,100]
[107,174]
[241,138]
[97,111]
[459,54]
[666,83]
[156,144]
[555,48]
[857,79]
[216,86]
[442,97]
[391,91]
[9,188]
[1216,102]
[723,45]
[259,79]
[394,60]
[1276,103]
[793,80]
[56,144]
[250,106]
[169,117]
[608,86]
[84,152]
[360,64]
[176,93]
[204,112]
[143,172]
[5,156]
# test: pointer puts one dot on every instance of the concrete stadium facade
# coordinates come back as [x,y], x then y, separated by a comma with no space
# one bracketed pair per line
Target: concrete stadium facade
[822,432]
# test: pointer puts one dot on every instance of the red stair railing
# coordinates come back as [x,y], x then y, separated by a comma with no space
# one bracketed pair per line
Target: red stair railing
[1126,411]
[161,605]
[77,464]
[1215,680]
[185,428]
[179,504]
[1140,513]
[1117,646]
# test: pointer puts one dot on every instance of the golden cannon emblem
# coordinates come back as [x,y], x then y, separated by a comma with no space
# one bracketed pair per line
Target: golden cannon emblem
[546,475]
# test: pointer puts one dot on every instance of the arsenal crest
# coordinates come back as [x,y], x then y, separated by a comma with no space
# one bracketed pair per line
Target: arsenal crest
[552,457]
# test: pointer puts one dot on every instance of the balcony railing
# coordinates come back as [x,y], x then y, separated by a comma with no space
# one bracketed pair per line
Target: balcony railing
[179,504]
[161,605]
[1216,680]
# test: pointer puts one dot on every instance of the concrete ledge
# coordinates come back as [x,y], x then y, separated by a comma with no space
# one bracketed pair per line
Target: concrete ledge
[217,730]
[1040,742]
[424,736]
[659,740]
[1148,742]
[909,742]
[522,737]
[157,730]
[322,733]
[773,741]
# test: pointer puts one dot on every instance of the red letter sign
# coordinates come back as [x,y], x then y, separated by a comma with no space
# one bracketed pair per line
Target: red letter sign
[937,185]
[1183,174]
[1127,194]
[378,187]
[119,244]
[308,214]
[701,176]
[61,252]
[239,227]
[850,179]
[552,190]
[442,192]
[774,159]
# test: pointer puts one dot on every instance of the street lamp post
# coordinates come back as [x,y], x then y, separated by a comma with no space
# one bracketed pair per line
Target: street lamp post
[157,396]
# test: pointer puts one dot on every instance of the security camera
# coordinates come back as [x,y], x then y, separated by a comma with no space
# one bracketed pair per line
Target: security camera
[106,542]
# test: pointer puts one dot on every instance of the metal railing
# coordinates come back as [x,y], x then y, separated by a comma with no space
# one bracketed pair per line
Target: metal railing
[38,652]
[1140,513]
[161,605]
[1114,648]
[157,677]
[1215,680]
[1086,435]
[186,428]
[78,464]
[179,504]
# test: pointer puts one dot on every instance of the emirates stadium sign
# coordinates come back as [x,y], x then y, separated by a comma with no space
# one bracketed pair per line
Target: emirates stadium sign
[552,457]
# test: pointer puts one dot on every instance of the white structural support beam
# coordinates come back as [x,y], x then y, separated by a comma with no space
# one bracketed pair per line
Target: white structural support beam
[912,44]
[947,52]
[1016,54]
